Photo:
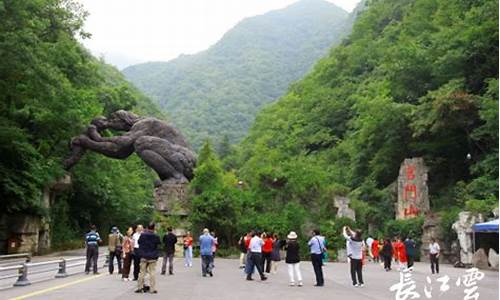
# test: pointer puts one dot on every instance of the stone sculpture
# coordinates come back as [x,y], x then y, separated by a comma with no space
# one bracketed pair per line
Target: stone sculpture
[463,228]
[161,146]
[342,203]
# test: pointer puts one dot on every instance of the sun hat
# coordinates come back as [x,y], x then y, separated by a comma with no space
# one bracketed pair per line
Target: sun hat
[292,235]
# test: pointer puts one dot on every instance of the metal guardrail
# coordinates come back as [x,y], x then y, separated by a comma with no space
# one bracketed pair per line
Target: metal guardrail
[17,255]
[24,269]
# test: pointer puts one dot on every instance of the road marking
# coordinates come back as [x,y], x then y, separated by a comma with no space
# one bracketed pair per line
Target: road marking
[57,287]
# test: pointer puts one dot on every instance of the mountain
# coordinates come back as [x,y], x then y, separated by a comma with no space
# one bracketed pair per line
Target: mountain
[217,93]
[415,78]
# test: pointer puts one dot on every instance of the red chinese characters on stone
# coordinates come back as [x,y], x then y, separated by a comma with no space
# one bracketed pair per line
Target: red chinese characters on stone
[410,172]
[411,211]
[410,192]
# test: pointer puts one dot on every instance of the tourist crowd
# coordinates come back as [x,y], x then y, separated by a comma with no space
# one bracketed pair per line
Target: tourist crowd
[261,253]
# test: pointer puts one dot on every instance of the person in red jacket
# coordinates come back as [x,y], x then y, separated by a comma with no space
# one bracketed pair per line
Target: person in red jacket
[375,250]
[267,249]
[394,252]
[248,238]
[400,250]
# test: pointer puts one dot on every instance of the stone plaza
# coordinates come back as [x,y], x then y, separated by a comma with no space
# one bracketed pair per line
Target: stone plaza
[229,283]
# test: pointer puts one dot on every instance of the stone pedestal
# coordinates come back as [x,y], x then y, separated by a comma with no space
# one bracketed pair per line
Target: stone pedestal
[171,198]
[171,201]
[463,228]
[342,203]
[413,194]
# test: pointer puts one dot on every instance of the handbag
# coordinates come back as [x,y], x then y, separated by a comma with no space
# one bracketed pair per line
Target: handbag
[322,249]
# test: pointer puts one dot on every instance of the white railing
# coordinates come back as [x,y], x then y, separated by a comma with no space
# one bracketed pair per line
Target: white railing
[25,269]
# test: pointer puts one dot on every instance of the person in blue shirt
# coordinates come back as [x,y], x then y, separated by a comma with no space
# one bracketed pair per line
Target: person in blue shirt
[92,240]
[206,244]
[317,246]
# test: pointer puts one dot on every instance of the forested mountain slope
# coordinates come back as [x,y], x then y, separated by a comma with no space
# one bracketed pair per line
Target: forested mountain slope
[415,78]
[217,92]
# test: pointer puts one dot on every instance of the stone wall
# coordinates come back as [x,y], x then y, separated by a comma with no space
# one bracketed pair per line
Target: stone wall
[31,233]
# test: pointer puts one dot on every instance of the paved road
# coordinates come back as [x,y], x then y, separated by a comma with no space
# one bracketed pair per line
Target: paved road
[46,272]
[229,283]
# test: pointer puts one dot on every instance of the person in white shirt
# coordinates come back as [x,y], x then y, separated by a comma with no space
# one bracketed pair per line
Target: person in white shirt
[434,255]
[135,253]
[255,256]
[355,247]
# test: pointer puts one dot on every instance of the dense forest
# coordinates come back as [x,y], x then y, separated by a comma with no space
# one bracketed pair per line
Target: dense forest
[50,87]
[415,78]
[216,93]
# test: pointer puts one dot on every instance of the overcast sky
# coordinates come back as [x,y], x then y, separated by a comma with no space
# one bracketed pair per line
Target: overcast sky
[127,32]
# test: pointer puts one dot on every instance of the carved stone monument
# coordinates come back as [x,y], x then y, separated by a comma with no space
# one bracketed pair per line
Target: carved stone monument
[413,194]
[342,203]
[463,228]
[161,146]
